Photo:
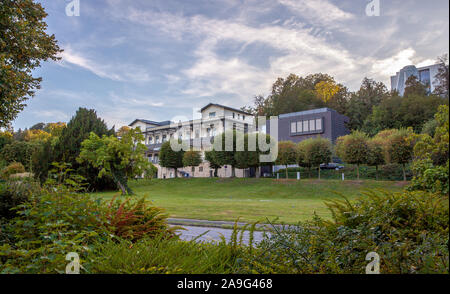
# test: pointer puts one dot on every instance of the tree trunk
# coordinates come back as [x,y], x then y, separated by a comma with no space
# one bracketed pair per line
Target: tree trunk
[287,174]
[216,172]
[122,188]
[233,171]
[319,172]
[404,172]
[357,171]
[257,172]
[176,172]
[309,172]
[376,172]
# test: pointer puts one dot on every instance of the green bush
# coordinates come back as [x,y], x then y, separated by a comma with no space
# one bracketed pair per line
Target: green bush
[13,168]
[160,255]
[408,230]
[14,193]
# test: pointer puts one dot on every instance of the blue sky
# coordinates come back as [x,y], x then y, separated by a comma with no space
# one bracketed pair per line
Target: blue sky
[160,59]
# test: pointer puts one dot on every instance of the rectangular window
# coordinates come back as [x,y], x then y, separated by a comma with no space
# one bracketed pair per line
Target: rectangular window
[312,125]
[212,114]
[293,127]
[200,168]
[234,114]
[305,126]
[299,126]
[164,137]
[319,124]
[243,117]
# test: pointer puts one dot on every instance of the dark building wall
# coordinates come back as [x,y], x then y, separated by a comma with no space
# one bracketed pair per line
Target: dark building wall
[333,125]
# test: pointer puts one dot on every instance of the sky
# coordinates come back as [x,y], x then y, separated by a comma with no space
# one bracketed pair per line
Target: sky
[157,60]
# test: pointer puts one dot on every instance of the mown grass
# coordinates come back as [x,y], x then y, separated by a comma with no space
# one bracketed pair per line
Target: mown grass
[249,199]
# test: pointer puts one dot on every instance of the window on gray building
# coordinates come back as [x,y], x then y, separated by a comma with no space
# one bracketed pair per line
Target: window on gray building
[312,125]
[293,127]
[299,126]
[305,126]
[319,124]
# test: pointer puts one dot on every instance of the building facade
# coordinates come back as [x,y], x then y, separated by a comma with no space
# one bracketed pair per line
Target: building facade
[425,74]
[299,126]
[215,119]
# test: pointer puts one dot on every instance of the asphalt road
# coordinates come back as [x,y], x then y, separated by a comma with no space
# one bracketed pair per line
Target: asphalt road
[214,234]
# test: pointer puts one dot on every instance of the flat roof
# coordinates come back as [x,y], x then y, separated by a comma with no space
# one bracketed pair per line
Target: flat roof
[312,111]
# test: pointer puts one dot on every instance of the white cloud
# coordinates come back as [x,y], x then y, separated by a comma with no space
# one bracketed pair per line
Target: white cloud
[318,11]
[122,72]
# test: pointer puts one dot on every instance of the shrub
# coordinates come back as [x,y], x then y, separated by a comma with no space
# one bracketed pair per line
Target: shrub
[48,227]
[409,230]
[13,168]
[14,193]
[353,149]
[133,220]
[160,255]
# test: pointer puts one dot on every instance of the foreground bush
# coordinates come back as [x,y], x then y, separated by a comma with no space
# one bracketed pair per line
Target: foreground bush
[57,221]
[135,220]
[11,169]
[163,256]
[408,230]
[14,193]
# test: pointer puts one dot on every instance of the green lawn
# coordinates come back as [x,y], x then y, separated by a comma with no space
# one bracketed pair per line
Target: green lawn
[249,199]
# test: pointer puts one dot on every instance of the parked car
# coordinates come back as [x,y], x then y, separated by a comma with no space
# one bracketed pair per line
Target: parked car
[331,166]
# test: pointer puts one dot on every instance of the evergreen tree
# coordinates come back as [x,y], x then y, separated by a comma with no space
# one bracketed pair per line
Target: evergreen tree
[68,147]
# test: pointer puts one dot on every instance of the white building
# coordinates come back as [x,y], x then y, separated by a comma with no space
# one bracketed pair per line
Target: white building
[215,118]
[424,74]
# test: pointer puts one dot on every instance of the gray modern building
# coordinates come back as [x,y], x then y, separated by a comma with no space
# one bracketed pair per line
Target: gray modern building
[424,74]
[324,122]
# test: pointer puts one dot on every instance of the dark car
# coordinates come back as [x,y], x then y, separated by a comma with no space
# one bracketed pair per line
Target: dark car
[331,166]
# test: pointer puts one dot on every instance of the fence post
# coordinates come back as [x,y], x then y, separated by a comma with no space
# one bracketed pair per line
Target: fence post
[298,175]
[343,177]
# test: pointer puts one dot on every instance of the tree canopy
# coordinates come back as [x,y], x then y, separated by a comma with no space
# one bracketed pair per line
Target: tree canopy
[24,45]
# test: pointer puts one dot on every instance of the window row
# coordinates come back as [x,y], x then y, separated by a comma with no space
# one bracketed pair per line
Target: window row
[305,126]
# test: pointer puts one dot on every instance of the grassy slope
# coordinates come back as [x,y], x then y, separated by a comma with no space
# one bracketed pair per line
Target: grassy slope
[249,199]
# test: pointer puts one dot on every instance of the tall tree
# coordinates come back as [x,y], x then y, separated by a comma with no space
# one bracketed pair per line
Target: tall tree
[415,87]
[68,147]
[360,105]
[170,158]
[24,44]
[376,154]
[442,77]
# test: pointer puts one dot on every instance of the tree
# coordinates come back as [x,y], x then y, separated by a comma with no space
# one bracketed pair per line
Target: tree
[251,158]
[37,135]
[122,159]
[68,146]
[24,45]
[19,151]
[402,112]
[400,148]
[224,153]
[325,90]
[414,87]
[442,77]
[192,159]
[376,155]
[38,126]
[431,161]
[287,154]
[211,157]
[302,160]
[5,139]
[122,131]
[318,151]
[170,158]
[353,149]
[360,105]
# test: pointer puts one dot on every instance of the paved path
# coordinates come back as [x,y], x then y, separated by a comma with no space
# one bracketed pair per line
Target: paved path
[214,234]
[208,223]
